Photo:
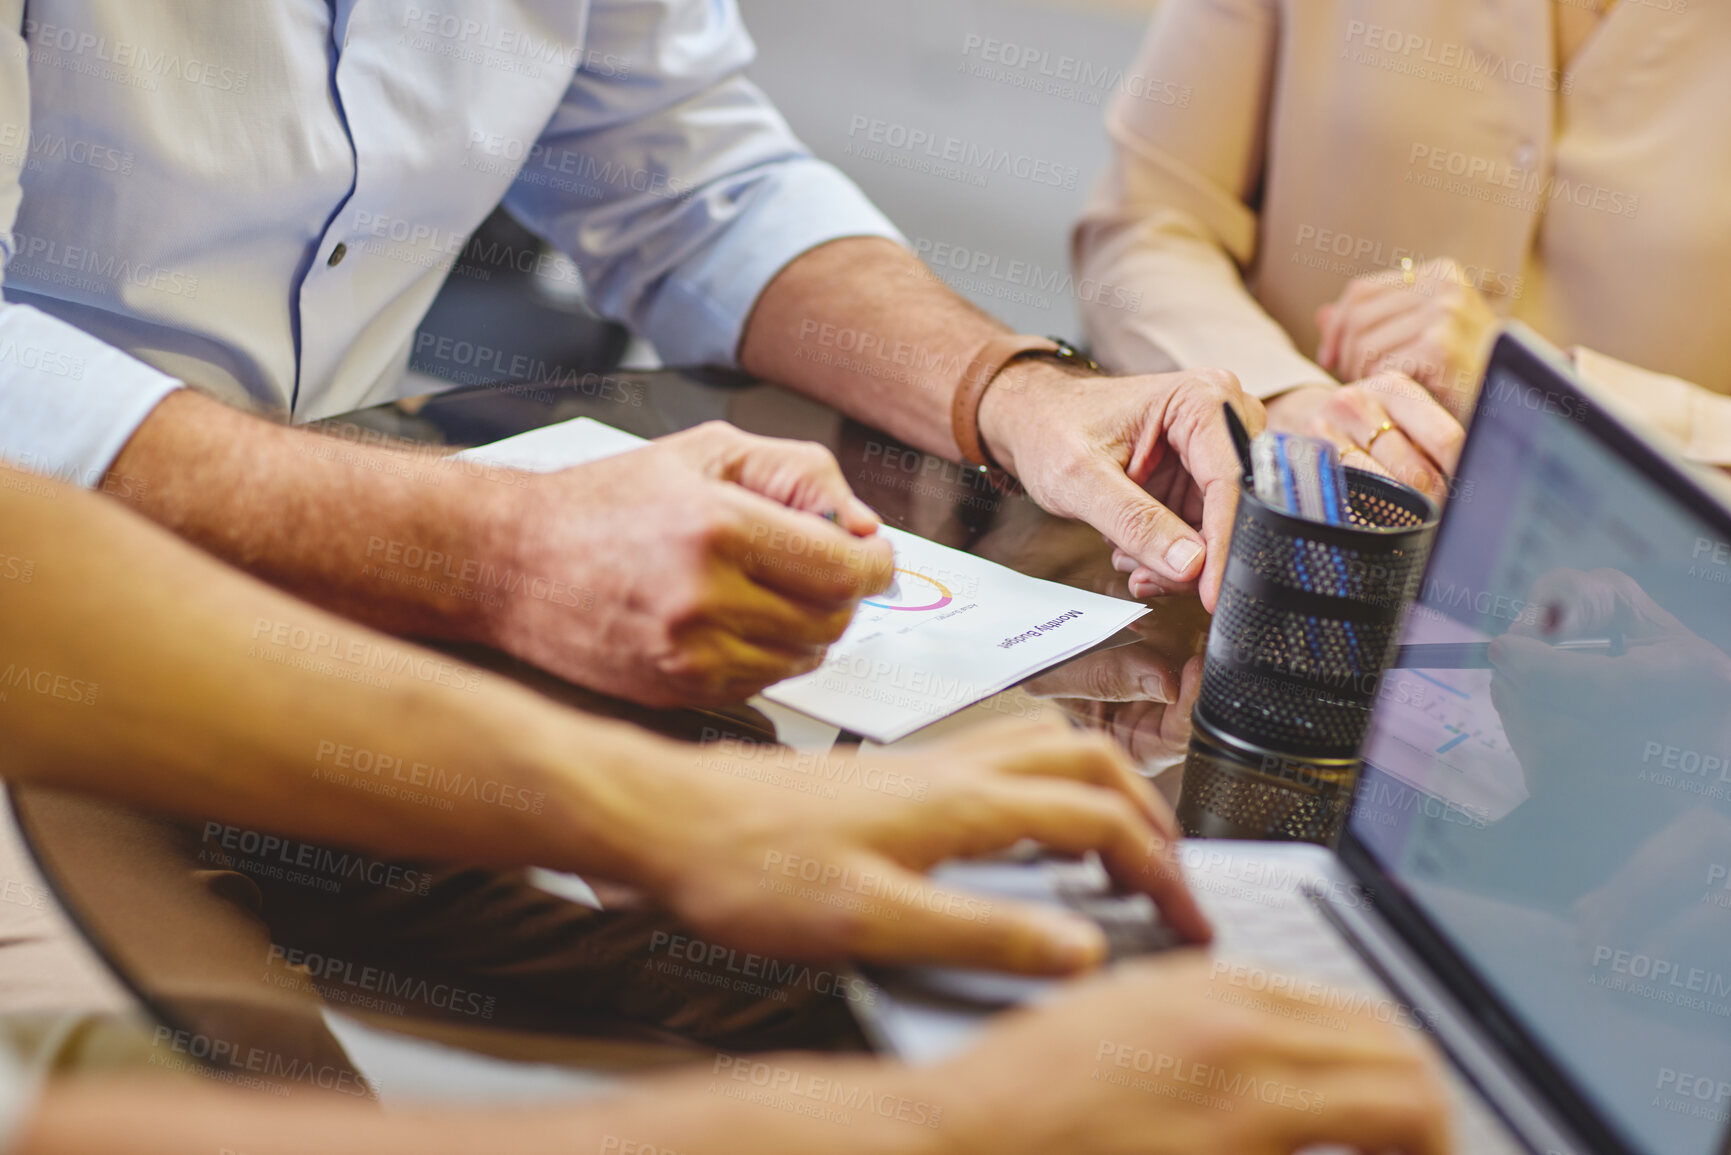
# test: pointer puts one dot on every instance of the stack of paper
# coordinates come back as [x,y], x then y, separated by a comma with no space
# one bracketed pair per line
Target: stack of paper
[953,629]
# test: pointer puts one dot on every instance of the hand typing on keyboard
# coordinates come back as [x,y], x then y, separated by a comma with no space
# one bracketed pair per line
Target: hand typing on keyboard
[1131,922]
[1158,1057]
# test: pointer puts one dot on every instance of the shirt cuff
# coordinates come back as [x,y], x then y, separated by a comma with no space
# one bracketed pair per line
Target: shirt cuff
[68,402]
[1265,368]
[1696,421]
[1267,373]
[699,317]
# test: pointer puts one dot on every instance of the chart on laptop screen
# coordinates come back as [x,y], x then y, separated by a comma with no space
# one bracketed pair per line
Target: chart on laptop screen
[1563,815]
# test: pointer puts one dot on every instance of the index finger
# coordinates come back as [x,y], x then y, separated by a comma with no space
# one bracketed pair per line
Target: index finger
[802,475]
[1061,751]
[1212,460]
[1022,936]
[806,557]
[1075,819]
[917,921]
[1219,508]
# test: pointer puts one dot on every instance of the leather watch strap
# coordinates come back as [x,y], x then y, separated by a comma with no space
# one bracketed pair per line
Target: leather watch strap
[982,370]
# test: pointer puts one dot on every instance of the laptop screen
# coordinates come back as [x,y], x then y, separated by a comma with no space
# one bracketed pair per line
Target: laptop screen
[1551,786]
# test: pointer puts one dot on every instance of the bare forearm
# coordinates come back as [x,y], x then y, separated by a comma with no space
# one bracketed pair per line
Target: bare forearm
[137,668]
[688,1114]
[327,519]
[862,325]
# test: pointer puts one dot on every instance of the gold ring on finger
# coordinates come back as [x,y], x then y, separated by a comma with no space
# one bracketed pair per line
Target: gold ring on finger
[1380,430]
[1407,276]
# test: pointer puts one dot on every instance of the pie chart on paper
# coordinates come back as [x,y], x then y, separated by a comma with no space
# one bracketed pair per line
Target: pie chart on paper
[912,592]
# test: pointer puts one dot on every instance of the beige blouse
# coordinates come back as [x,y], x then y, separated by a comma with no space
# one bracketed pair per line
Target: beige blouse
[1282,147]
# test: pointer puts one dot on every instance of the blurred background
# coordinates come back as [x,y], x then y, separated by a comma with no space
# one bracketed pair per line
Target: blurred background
[977,125]
[982,78]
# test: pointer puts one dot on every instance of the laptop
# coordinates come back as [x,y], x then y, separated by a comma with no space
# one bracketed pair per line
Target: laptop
[1537,867]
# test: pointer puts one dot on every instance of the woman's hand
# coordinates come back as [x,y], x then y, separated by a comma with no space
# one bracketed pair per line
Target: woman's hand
[1386,424]
[1435,328]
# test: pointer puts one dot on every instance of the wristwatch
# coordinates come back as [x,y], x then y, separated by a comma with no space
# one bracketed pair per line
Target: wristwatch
[984,368]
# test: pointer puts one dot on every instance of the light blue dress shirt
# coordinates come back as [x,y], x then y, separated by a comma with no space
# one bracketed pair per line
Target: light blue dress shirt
[260,198]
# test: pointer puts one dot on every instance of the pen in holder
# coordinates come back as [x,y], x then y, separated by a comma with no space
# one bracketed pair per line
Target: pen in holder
[1303,629]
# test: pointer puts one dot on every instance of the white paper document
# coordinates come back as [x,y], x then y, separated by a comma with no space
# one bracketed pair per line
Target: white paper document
[951,630]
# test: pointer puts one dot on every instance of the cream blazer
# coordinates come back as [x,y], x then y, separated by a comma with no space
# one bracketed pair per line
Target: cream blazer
[1271,150]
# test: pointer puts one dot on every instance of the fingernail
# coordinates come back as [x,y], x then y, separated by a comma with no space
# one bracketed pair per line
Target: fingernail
[1076,945]
[1124,564]
[1153,687]
[1183,555]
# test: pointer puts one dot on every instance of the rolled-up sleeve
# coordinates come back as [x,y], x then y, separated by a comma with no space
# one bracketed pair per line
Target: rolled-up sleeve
[1172,220]
[68,402]
[673,182]
[1696,420]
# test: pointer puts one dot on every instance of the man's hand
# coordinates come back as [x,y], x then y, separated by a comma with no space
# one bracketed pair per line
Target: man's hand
[1419,443]
[1170,1057]
[748,859]
[1145,460]
[1437,329]
[698,568]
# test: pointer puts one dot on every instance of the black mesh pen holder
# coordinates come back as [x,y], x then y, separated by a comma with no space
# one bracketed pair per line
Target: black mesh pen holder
[1305,622]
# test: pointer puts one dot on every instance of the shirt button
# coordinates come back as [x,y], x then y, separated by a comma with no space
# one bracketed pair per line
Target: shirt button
[337,255]
[1525,155]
